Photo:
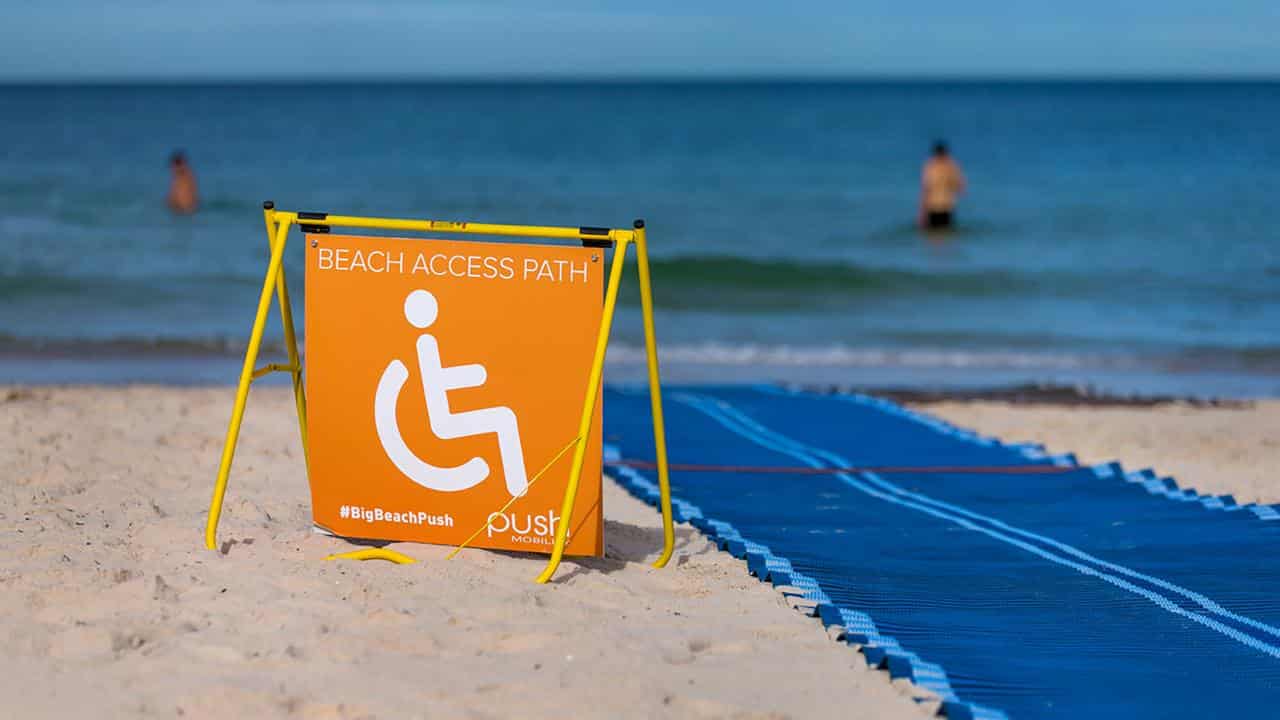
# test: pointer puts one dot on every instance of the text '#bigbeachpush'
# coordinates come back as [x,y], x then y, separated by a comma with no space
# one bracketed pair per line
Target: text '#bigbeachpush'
[480,267]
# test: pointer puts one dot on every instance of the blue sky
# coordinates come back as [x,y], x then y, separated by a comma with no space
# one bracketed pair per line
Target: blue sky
[124,39]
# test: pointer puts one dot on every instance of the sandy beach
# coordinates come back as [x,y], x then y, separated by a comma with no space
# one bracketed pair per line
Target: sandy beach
[112,608]
[1216,450]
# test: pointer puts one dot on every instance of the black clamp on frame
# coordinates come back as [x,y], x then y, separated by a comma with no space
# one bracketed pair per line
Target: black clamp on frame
[599,239]
[313,228]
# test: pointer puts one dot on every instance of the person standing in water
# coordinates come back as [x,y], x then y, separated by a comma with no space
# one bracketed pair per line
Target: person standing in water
[183,198]
[941,183]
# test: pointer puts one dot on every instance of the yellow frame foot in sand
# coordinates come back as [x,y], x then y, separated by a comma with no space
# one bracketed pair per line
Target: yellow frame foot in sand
[374,554]
[278,224]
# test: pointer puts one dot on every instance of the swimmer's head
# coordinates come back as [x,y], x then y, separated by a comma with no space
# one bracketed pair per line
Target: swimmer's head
[420,308]
[177,158]
[939,148]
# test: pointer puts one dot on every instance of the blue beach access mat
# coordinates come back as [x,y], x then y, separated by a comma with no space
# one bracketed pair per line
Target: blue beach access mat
[1011,584]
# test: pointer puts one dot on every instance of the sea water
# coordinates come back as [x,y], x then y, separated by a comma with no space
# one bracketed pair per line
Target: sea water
[1119,233]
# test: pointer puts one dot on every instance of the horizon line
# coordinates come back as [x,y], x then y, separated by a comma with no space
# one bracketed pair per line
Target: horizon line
[645,79]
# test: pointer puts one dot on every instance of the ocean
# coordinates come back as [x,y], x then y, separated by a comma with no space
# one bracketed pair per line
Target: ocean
[1118,234]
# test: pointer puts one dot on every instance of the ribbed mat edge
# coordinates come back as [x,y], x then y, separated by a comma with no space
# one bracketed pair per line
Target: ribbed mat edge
[881,652]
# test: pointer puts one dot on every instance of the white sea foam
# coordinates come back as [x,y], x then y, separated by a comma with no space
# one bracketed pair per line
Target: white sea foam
[840,356]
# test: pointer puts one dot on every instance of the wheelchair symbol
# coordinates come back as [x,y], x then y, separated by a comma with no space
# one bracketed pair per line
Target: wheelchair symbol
[421,309]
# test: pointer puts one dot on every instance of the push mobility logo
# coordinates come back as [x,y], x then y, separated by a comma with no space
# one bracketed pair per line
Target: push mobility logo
[526,529]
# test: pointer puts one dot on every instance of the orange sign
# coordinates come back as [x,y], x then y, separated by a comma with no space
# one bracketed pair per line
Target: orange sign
[442,375]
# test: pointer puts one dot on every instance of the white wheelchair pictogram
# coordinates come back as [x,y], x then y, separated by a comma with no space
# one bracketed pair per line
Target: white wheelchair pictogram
[421,309]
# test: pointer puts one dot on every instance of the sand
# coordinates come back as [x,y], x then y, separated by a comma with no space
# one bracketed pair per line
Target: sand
[1216,450]
[111,607]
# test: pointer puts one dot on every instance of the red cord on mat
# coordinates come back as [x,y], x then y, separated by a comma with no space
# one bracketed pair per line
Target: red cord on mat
[883,469]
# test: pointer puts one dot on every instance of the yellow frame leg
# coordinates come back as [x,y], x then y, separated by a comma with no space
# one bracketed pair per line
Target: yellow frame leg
[588,410]
[246,377]
[290,340]
[655,396]
[593,390]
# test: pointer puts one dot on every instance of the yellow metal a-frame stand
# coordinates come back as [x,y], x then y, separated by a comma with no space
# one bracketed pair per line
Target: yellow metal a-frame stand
[278,225]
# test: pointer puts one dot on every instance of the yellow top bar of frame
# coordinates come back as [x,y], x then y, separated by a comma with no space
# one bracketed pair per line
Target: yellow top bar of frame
[566,233]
